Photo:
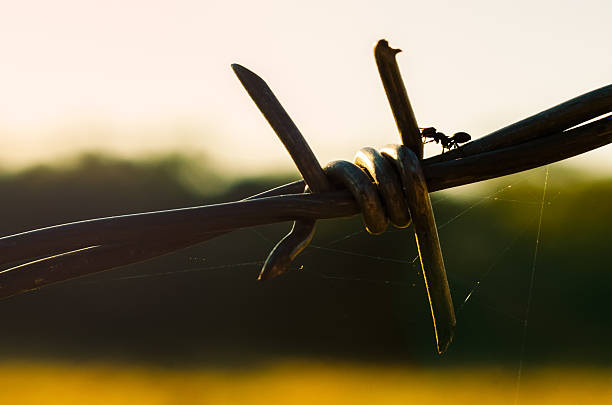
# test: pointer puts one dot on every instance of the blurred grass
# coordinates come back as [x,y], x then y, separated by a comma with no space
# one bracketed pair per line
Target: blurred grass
[296,382]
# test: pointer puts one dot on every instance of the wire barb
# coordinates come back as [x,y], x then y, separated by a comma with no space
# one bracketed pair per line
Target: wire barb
[398,96]
[407,192]
[301,234]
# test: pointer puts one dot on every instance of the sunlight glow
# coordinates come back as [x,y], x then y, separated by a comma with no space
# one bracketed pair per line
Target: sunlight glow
[137,76]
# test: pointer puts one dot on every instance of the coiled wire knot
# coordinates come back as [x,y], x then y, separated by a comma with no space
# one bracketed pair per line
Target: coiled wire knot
[386,185]
[375,180]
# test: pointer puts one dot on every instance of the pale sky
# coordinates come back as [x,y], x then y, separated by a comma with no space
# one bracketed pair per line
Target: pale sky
[135,77]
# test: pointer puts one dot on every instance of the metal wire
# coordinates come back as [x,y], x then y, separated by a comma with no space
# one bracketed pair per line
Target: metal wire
[390,185]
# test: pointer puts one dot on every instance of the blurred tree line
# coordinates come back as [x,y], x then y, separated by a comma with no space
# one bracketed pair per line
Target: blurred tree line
[352,296]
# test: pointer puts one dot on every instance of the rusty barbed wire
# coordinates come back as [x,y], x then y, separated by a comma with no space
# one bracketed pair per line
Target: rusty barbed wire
[44,256]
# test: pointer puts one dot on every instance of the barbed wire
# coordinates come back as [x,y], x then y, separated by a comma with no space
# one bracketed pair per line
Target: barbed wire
[394,183]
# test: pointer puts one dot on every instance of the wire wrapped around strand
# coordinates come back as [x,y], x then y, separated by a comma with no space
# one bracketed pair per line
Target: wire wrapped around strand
[377,190]
[376,187]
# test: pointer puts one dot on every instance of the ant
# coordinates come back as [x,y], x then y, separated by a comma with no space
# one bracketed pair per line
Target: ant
[448,142]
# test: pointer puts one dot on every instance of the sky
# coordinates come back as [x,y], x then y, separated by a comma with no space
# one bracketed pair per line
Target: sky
[138,77]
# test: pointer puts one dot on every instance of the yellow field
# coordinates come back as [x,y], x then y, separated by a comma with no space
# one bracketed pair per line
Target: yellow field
[294,383]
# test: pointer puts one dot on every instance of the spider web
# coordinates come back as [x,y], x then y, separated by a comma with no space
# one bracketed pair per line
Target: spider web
[530,294]
[341,246]
[328,247]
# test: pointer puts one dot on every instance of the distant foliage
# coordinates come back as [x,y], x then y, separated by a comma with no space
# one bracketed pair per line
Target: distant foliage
[357,295]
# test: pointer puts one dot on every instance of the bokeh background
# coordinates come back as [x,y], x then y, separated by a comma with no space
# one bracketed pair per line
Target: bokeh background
[121,107]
